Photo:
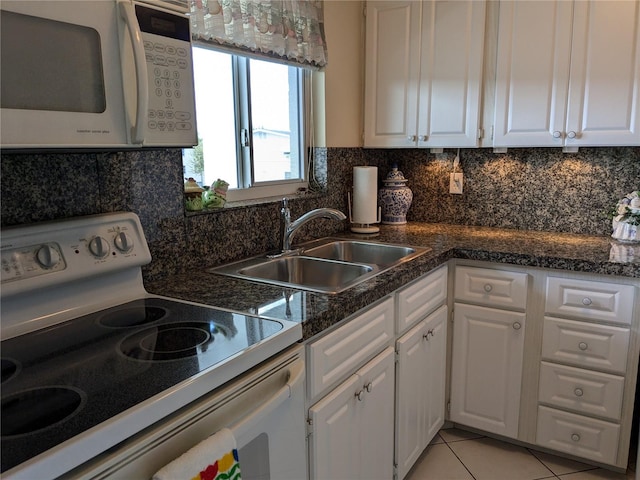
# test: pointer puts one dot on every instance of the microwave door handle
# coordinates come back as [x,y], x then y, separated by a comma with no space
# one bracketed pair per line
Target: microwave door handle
[142,85]
[247,423]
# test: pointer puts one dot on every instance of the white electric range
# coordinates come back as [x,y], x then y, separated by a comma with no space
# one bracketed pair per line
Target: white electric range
[89,358]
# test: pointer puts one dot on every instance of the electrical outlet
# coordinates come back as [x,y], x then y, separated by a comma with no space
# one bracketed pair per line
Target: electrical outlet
[455,183]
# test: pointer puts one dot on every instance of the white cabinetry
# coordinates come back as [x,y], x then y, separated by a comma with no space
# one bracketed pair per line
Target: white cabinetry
[423,73]
[421,366]
[351,426]
[488,348]
[568,74]
[582,375]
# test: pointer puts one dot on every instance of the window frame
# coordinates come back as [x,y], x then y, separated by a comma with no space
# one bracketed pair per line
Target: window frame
[250,189]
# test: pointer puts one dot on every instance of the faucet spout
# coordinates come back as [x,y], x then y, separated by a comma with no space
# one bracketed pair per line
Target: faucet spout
[290,228]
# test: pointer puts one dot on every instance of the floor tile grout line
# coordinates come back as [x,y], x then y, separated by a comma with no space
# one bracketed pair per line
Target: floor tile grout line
[544,464]
[459,459]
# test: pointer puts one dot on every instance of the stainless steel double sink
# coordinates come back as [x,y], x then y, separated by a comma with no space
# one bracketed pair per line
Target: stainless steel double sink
[328,265]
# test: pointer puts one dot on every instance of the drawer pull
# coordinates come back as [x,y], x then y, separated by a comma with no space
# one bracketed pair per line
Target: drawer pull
[359,395]
[583,346]
[575,437]
[368,387]
[586,301]
[517,325]
[578,392]
[488,287]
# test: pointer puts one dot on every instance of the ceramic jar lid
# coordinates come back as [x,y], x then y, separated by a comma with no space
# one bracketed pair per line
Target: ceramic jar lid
[395,177]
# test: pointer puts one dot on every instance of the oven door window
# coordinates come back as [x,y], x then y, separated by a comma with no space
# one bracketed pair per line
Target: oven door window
[48,65]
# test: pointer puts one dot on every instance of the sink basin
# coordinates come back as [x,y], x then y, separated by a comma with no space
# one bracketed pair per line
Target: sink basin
[361,252]
[328,265]
[315,274]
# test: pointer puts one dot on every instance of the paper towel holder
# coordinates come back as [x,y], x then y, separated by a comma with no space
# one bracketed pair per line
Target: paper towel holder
[363,227]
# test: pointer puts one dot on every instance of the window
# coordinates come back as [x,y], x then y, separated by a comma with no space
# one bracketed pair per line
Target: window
[250,117]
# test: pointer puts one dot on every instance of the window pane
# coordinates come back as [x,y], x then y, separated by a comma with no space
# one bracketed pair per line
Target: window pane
[274,120]
[215,156]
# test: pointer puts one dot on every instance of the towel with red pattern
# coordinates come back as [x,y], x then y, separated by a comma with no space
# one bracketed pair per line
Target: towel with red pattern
[215,458]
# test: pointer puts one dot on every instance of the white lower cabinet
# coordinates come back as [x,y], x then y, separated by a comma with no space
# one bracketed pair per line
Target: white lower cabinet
[420,380]
[486,371]
[352,426]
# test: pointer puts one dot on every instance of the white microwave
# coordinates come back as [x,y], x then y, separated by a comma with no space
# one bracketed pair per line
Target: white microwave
[96,74]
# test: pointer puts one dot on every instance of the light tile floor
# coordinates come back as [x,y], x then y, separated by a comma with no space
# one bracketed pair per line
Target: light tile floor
[456,454]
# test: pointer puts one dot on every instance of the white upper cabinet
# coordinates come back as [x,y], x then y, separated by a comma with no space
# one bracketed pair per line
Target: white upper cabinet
[568,74]
[423,73]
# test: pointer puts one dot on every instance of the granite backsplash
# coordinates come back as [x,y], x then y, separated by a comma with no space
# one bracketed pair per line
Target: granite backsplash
[526,189]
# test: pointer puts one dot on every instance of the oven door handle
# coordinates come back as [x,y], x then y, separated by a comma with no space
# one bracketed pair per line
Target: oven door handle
[243,426]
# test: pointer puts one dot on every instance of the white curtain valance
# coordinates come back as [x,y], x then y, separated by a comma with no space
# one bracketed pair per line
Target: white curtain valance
[288,30]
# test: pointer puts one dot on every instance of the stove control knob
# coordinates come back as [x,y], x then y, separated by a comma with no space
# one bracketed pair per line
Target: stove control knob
[99,247]
[123,242]
[47,257]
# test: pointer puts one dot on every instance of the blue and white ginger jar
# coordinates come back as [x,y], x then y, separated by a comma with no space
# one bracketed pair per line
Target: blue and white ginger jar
[395,198]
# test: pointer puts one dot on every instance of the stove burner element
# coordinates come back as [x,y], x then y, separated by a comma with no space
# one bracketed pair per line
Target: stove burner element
[30,411]
[171,341]
[10,369]
[132,316]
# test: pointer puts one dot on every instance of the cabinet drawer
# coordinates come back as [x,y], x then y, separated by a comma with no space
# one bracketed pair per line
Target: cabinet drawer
[585,344]
[584,391]
[582,436]
[495,288]
[342,351]
[421,298]
[590,300]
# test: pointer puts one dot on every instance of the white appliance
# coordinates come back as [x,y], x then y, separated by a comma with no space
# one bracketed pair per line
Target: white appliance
[101,379]
[96,74]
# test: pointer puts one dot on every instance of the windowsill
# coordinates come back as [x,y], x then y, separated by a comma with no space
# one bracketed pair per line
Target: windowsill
[239,204]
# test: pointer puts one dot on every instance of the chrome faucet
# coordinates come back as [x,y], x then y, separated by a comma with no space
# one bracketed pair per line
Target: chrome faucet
[289,228]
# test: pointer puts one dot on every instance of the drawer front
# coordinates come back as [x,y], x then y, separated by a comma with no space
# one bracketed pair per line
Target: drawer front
[582,436]
[495,288]
[585,344]
[343,351]
[584,391]
[421,298]
[590,300]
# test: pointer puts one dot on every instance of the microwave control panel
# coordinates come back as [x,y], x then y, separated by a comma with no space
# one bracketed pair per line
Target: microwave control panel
[167,47]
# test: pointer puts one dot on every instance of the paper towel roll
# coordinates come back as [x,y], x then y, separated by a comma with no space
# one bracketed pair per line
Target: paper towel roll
[365,195]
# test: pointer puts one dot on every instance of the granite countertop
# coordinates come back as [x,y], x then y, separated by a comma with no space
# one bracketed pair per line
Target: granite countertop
[316,312]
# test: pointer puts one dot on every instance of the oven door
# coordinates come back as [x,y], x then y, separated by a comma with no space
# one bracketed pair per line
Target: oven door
[263,408]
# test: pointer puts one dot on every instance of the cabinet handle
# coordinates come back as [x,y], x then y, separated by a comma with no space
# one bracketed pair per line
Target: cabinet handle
[411,138]
[429,332]
[586,301]
[575,437]
[368,387]
[571,134]
[423,138]
[557,134]
[360,395]
[578,392]
[488,287]
[517,325]
[583,346]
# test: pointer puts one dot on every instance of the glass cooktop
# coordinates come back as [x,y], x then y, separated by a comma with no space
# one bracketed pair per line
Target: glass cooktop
[65,379]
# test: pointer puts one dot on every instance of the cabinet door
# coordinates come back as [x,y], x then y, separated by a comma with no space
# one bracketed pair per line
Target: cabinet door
[375,429]
[486,367]
[392,68]
[534,53]
[421,388]
[604,108]
[436,370]
[335,441]
[450,73]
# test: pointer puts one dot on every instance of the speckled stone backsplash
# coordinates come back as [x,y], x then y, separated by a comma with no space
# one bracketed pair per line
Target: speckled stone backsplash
[536,189]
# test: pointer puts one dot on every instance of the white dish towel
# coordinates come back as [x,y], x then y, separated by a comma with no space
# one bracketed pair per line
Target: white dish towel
[215,458]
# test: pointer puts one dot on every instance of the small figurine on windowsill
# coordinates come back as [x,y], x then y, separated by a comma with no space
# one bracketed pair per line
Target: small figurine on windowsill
[216,196]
